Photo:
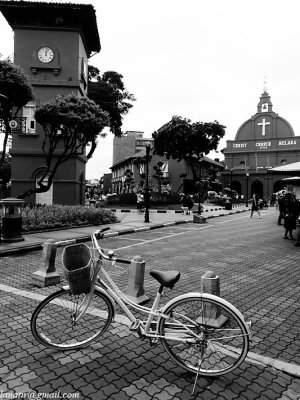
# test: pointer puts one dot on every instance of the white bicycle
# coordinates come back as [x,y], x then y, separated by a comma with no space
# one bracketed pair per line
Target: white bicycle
[202,333]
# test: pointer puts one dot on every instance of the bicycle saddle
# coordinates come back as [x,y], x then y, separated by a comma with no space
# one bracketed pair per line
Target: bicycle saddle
[166,278]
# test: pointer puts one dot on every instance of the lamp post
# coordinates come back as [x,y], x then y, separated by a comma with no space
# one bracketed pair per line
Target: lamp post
[231,171]
[247,176]
[148,146]
[199,187]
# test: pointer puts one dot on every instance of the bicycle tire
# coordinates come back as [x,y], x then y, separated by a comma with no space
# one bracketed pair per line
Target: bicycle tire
[52,322]
[222,348]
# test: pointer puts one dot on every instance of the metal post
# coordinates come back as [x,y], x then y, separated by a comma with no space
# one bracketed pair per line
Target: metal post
[199,189]
[247,176]
[147,183]
[231,171]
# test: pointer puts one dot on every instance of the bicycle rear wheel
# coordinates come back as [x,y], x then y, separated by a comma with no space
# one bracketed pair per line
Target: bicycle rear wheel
[55,323]
[204,334]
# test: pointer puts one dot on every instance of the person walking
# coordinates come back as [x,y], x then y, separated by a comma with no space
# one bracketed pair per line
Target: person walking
[290,215]
[254,206]
[139,201]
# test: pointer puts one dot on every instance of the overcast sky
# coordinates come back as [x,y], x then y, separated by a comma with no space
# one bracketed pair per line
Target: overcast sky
[203,60]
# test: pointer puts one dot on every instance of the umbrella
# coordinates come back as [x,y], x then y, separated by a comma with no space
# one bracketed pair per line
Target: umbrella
[292,179]
[293,167]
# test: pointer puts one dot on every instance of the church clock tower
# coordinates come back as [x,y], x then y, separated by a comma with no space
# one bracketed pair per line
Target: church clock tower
[52,43]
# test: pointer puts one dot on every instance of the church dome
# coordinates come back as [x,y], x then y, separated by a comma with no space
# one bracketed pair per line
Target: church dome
[265,124]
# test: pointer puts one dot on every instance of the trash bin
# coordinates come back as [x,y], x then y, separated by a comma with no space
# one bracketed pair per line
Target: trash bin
[11,220]
[228,205]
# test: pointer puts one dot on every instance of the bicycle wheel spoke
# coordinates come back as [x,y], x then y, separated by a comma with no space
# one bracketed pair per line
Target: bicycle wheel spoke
[204,329]
[59,321]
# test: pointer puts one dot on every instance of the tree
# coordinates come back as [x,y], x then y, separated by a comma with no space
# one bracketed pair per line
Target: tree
[5,173]
[15,92]
[182,139]
[109,92]
[70,123]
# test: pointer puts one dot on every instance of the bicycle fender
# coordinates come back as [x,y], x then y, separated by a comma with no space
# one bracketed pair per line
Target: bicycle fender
[205,296]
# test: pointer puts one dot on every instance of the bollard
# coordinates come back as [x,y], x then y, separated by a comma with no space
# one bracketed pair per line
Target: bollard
[47,275]
[210,283]
[135,287]
[199,219]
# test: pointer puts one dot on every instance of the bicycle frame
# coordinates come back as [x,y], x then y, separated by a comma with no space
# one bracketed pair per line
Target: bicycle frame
[144,328]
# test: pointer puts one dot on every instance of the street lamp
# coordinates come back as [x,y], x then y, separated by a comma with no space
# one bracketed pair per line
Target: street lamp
[247,176]
[199,187]
[148,147]
[231,171]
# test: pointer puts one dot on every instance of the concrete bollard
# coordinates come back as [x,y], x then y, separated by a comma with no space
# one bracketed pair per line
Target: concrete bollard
[199,219]
[210,283]
[135,287]
[47,275]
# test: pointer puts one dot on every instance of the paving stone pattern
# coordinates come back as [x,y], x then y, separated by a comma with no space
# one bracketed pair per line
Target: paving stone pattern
[259,274]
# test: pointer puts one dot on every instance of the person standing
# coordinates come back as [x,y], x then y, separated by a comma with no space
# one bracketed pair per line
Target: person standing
[280,208]
[254,206]
[290,216]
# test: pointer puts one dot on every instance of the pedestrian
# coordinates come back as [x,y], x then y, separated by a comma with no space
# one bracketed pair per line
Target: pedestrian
[255,206]
[280,203]
[290,215]
[140,201]
[187,204]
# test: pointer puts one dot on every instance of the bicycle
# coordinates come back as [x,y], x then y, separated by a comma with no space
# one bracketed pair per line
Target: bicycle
[202,333]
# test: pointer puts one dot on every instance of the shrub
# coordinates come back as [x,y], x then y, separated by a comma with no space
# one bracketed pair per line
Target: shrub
[58,216]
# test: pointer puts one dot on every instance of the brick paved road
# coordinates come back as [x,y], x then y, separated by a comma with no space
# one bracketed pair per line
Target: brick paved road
[259,274]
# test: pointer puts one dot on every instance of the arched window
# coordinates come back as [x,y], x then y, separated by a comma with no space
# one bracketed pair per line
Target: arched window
[45,197]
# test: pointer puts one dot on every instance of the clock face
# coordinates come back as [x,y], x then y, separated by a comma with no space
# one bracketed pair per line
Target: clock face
[45,54]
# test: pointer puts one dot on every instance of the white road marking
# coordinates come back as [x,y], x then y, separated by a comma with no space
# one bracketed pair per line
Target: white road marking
[252,357]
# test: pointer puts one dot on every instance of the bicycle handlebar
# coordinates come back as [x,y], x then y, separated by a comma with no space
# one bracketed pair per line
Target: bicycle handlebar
[110,256]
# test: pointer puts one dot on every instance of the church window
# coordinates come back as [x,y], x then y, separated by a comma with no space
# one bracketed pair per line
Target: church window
[264,107]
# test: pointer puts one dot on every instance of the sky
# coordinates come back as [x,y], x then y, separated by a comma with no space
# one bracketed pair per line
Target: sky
[202,60]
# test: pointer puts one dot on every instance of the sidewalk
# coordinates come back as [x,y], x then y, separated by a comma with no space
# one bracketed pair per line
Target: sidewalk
[130,221]
[259,274]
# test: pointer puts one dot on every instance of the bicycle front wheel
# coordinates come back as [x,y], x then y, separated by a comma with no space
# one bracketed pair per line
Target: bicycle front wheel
[204,334]
[67,321]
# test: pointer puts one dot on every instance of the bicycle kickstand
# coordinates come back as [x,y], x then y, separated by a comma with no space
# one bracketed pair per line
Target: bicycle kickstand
[195,383]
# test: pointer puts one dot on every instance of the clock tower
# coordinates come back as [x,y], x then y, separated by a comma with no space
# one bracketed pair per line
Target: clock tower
[52,43]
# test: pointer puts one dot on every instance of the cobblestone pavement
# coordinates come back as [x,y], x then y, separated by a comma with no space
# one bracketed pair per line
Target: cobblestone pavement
[259,274]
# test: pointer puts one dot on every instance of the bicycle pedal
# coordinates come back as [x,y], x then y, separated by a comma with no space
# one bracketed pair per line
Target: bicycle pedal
[135,325]
[153,342]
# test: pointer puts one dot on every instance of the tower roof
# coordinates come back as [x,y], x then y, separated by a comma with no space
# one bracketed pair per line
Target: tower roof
[54,16]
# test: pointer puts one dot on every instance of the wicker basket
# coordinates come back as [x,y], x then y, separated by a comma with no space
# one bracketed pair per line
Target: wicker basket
[77,262]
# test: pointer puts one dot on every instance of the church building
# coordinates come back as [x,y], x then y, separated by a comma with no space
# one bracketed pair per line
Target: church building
[263,142]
